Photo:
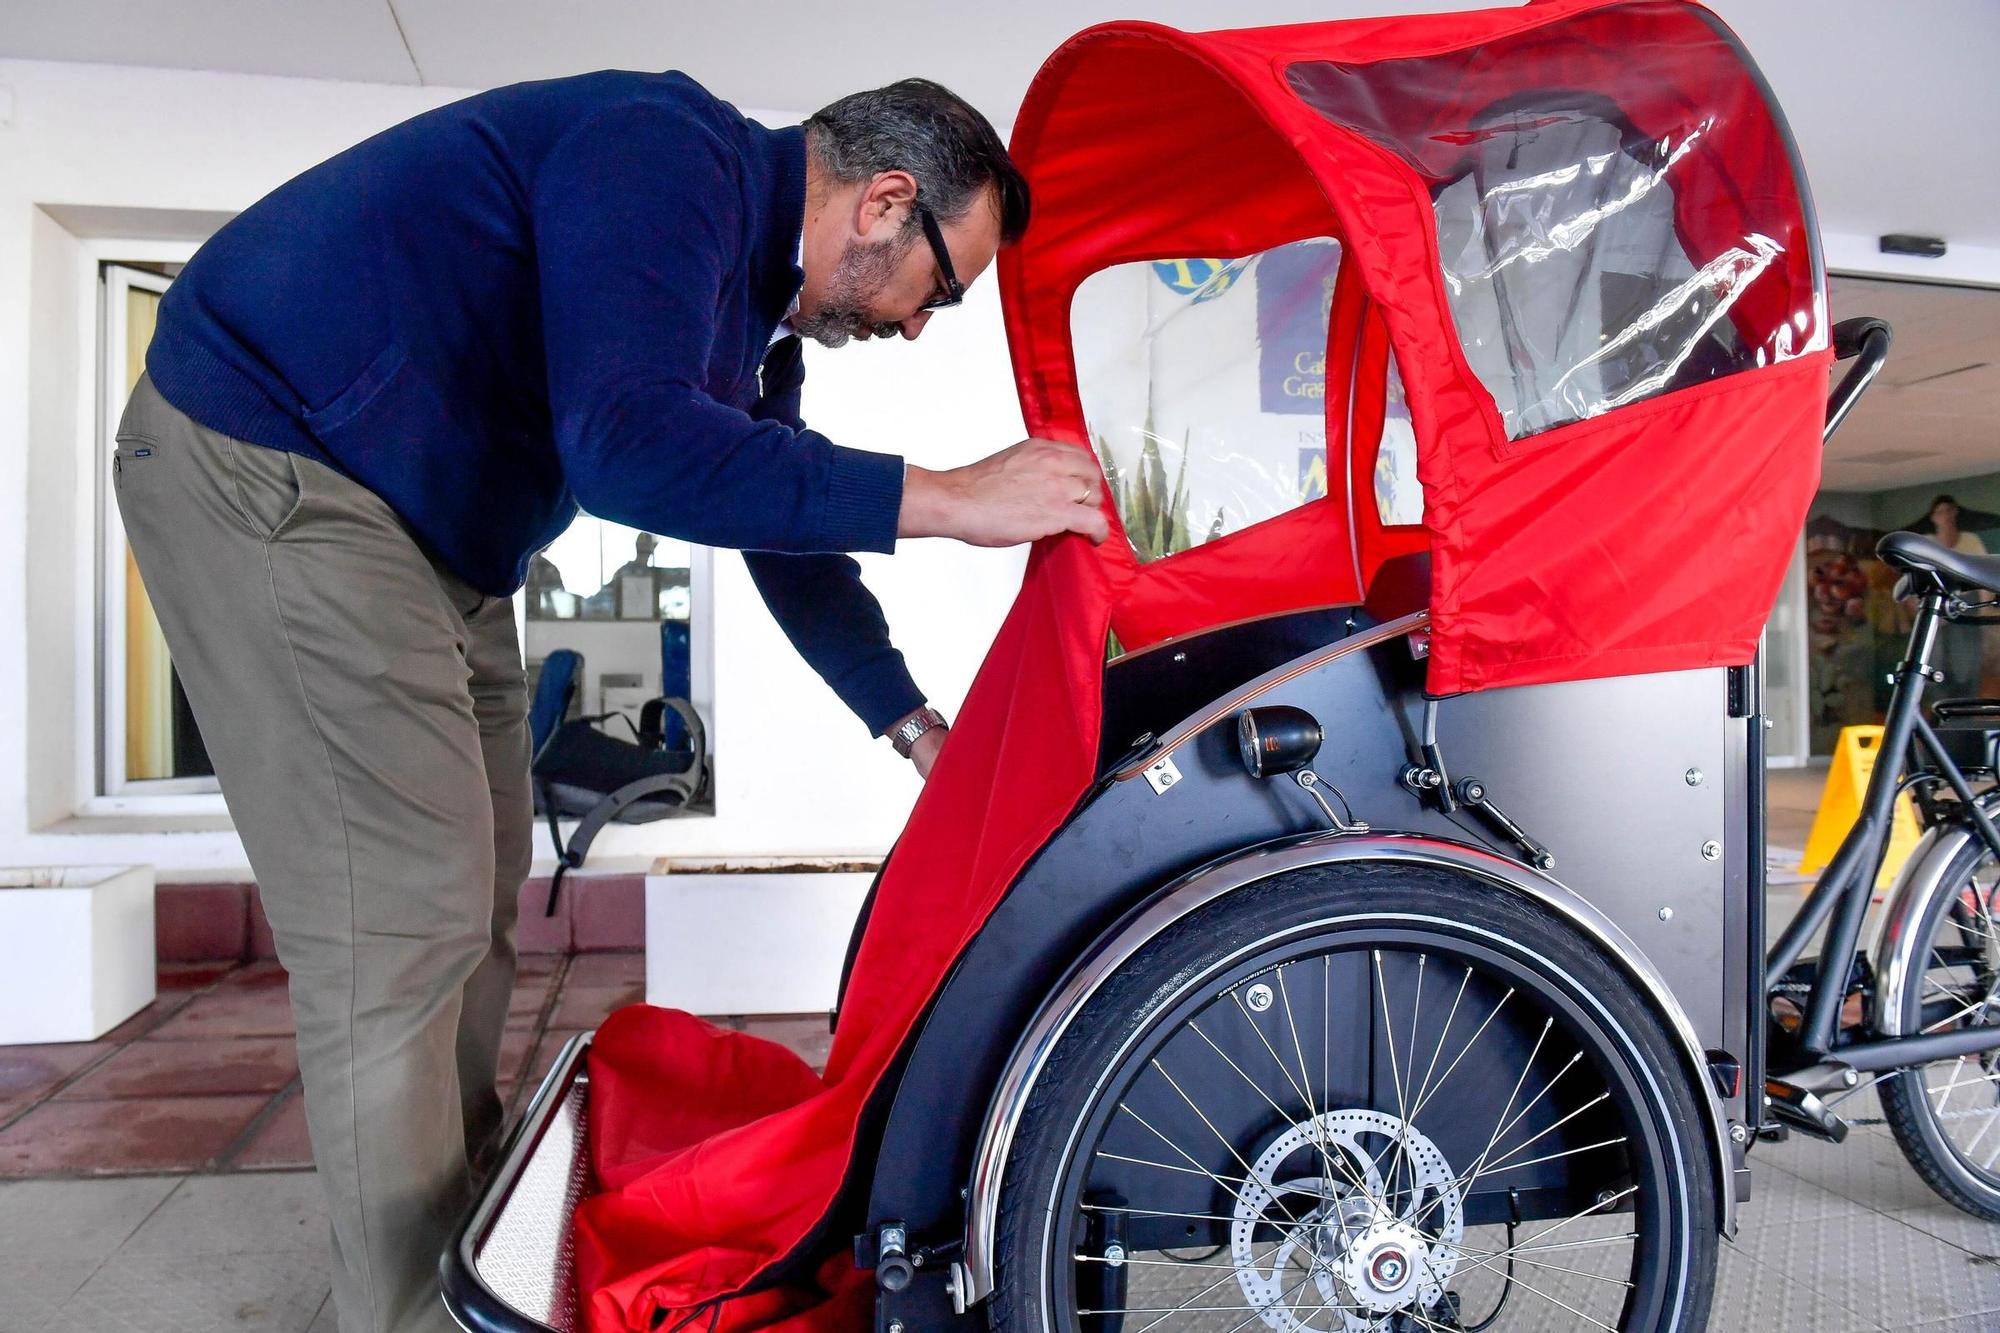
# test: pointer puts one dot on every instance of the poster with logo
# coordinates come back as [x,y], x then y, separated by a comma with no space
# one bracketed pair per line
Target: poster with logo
[1294,294]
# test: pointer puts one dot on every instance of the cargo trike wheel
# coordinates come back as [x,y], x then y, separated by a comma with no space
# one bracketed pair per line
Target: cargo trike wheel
[1360,1098]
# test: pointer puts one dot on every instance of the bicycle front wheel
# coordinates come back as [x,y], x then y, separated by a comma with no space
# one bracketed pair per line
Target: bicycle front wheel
[1946,1114]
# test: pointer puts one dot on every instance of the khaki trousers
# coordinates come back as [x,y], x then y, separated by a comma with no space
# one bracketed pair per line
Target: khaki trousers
[367,714]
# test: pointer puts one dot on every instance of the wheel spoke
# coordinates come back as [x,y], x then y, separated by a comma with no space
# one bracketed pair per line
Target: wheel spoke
[1502,1124]
[1151,1212]
[1318,1131]
[1533,1290]
[1395,1073]
[1464,1183]
[1164,1263]
[1347,1168]
[1236,995]
[1276,1059]
[1464,1050]
[1573,1244]
[1220,1137]
[1326,1029]
[1437,1051]
[1233,1274]
[1163,1166]
[1566,1152]
[1973,1146]
[1484,1258]
[1494,1164]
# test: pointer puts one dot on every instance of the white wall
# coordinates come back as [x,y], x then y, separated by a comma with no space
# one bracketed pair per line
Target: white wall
[151,160]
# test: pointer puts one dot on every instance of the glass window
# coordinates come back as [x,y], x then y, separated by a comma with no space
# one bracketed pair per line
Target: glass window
[1590,263]
[1204,388]
[149,743]
[619,597]
[622,600]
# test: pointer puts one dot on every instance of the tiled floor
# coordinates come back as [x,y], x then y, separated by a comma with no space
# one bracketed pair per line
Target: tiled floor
[206,1080]
[159,1182]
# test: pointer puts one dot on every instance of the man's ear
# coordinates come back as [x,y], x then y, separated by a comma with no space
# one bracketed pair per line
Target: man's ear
[883,205]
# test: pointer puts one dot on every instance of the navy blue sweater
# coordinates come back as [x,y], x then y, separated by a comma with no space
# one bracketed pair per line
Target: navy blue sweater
[553,295]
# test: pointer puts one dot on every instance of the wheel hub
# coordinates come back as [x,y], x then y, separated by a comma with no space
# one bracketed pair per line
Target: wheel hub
[1365,1215]
[1382,1267]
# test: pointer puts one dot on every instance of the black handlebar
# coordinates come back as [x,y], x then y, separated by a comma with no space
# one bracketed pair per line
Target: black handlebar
[1865,340]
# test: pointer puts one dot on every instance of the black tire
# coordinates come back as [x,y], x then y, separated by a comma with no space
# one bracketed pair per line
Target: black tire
[1330,913]
[1951,1155]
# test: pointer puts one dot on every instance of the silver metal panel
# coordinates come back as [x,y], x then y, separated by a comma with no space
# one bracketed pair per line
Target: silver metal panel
[513,1263]
[528,1258]
[1597,771]
[1217,880]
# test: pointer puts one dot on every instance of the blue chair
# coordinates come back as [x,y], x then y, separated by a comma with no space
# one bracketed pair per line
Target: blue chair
[581,772]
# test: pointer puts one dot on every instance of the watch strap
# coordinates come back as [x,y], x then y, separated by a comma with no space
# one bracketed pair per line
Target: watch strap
[905,735]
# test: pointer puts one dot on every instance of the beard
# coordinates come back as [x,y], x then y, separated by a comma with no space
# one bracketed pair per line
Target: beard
[857,280]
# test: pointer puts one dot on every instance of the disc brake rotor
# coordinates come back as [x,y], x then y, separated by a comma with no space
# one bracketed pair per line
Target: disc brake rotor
[1367,1221]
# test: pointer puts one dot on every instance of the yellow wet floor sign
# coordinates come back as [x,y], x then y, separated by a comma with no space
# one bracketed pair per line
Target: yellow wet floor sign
[1840,807]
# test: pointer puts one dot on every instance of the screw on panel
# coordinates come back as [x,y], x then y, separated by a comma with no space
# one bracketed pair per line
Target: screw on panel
[1666,914]
[1693,777]
[1739,1133]
[1711,850]
[895,1326]
[1114,1255]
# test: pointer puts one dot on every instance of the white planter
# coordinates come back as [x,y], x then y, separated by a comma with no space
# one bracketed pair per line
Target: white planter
[744,938]
[76,951]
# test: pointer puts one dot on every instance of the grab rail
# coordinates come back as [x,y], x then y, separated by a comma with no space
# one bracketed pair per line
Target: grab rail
[1867,339]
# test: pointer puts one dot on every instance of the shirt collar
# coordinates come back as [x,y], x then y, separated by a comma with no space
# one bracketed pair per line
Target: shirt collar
[784,327]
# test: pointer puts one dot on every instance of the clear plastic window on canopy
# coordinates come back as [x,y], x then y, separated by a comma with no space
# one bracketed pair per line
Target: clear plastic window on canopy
[1399,496]
[1203,383]
[1588,262]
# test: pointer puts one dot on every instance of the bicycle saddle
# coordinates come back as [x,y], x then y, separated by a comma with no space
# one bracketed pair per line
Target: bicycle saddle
[1915,553]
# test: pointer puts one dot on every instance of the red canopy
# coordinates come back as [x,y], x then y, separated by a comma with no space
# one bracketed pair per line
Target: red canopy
[1566,543]
[1560,255]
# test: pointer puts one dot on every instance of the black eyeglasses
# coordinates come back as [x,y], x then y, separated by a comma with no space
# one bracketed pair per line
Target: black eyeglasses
[954,290]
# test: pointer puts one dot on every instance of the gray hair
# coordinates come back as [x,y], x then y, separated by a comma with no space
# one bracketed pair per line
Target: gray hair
[923,128]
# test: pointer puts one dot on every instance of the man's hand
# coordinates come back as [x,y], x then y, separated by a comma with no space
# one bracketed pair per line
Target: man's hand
[925,752]
[1034,489]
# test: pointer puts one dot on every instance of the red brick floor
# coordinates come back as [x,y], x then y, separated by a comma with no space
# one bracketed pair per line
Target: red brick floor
[205,1079]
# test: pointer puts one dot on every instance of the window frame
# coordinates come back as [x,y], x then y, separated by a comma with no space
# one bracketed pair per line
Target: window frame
[110,791]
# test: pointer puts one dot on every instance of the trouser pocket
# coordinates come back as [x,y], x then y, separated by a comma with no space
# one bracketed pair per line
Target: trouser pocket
[266,484]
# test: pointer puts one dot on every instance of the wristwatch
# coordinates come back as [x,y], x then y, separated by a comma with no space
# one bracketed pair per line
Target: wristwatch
[906,734]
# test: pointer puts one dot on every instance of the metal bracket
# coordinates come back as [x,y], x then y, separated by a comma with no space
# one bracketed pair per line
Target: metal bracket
[1162,774]
[1312,782]
[1472,792]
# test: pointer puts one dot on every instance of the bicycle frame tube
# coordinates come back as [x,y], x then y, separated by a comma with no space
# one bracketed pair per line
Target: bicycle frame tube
[1975,812]
[1843,892]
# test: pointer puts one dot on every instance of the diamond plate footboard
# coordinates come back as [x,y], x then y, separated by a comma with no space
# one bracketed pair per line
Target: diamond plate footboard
[509,1268]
